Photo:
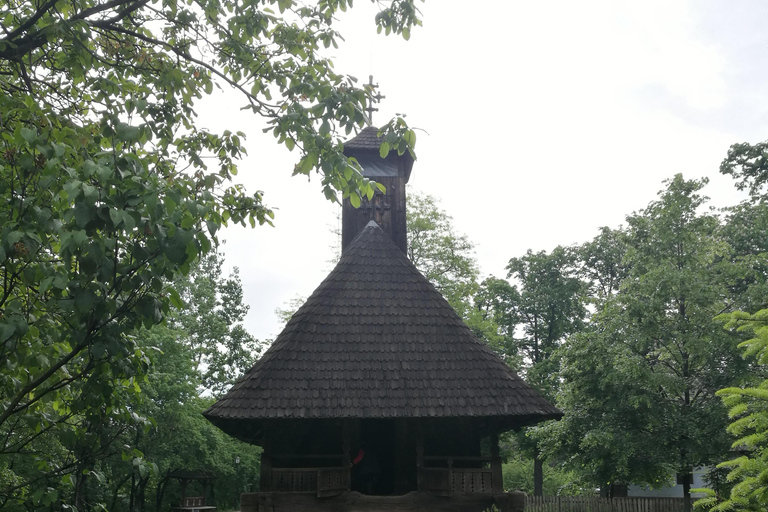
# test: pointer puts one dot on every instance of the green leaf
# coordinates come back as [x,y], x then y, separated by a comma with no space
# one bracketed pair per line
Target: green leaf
[384,149]
[29,135]
[354,199]
[83,214]
[116,216]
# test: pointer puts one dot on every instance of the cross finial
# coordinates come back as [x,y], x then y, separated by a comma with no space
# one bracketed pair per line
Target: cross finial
[372,98]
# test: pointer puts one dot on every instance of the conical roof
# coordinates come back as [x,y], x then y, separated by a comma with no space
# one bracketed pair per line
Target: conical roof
[377,340]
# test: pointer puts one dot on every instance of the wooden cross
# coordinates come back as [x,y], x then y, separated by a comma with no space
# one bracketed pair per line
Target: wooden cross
[375,208]
[373,98]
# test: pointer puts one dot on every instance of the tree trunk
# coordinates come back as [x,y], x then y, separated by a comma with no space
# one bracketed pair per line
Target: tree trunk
[687,504]
[116,491]
[538,475]
[160,493]
[133,492]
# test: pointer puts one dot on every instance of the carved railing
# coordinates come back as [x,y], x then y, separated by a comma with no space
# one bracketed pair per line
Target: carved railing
[320,481]
[294,479]
[446,481]
[332,481]
[471,480]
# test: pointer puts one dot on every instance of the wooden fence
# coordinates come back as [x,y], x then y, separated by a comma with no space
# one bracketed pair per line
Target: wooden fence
[596,504]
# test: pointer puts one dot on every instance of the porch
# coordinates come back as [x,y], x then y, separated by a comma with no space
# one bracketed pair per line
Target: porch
[444,481]
[352,501]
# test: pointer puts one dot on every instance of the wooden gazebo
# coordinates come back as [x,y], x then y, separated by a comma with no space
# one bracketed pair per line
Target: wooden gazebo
[377,358]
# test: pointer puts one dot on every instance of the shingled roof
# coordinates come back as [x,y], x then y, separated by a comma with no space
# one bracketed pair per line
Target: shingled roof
[367,139]
[365,148]
[377,340]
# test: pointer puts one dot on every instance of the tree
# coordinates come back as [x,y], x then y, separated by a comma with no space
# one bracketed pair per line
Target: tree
[178,437]
[748,408]
[656,346]
[109,189]
[445,257]
[495,301]
[748,164]
[211,320]
[548,307]
[748,404]
[601,264]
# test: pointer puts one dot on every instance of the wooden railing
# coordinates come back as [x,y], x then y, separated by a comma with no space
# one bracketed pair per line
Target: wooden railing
[332,481]
[321,481]
[294,479]
[446,481]
[434,481]
[471,480]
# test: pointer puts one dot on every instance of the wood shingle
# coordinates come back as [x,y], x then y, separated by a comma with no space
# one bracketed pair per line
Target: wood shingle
[377,340]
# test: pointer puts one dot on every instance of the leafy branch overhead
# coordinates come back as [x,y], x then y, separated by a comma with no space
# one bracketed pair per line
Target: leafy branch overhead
[109,190]
[148,62]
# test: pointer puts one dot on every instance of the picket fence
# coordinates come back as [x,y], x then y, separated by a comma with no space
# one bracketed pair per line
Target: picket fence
[596,504]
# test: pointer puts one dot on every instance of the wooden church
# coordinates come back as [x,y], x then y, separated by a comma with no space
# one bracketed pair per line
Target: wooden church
[377,370]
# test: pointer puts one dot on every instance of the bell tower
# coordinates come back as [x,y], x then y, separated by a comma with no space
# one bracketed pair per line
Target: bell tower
[387,209]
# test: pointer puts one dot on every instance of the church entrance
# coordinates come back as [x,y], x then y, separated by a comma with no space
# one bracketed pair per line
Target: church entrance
[374,462]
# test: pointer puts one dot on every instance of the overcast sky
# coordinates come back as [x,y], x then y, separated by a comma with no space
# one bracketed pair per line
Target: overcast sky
[540,121]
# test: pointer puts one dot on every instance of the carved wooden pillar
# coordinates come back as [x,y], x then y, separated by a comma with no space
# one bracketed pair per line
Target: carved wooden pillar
[497,482]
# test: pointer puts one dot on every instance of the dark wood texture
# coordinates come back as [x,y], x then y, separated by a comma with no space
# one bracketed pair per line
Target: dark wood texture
[356,502]
[386,208]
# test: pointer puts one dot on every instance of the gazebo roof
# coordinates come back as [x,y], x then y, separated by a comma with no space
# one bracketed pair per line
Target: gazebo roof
[377,340]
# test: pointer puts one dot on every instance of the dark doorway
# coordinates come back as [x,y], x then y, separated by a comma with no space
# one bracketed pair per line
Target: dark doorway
[375,472]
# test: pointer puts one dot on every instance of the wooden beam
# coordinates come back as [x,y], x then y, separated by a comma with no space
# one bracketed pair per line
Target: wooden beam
[346,447]
[497,481]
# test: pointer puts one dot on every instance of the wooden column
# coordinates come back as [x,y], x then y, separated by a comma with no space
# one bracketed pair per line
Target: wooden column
[419,454]
[346,461]
[265,475]
[497,482]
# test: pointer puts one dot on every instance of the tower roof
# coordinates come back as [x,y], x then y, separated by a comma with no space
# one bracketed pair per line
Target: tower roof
[367,139]
[365,148]
[377,340]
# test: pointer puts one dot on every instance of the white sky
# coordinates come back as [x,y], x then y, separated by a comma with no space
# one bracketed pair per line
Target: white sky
[542,121]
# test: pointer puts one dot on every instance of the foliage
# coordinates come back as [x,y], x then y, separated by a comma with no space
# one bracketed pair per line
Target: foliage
[211,320]
[601,264]
[446,258]
[178,437]
[443,256]
[110,190]
[290,307]
[639,384]
[495,301]
[535,313]
[748,164]
[748,410]
[517,475]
